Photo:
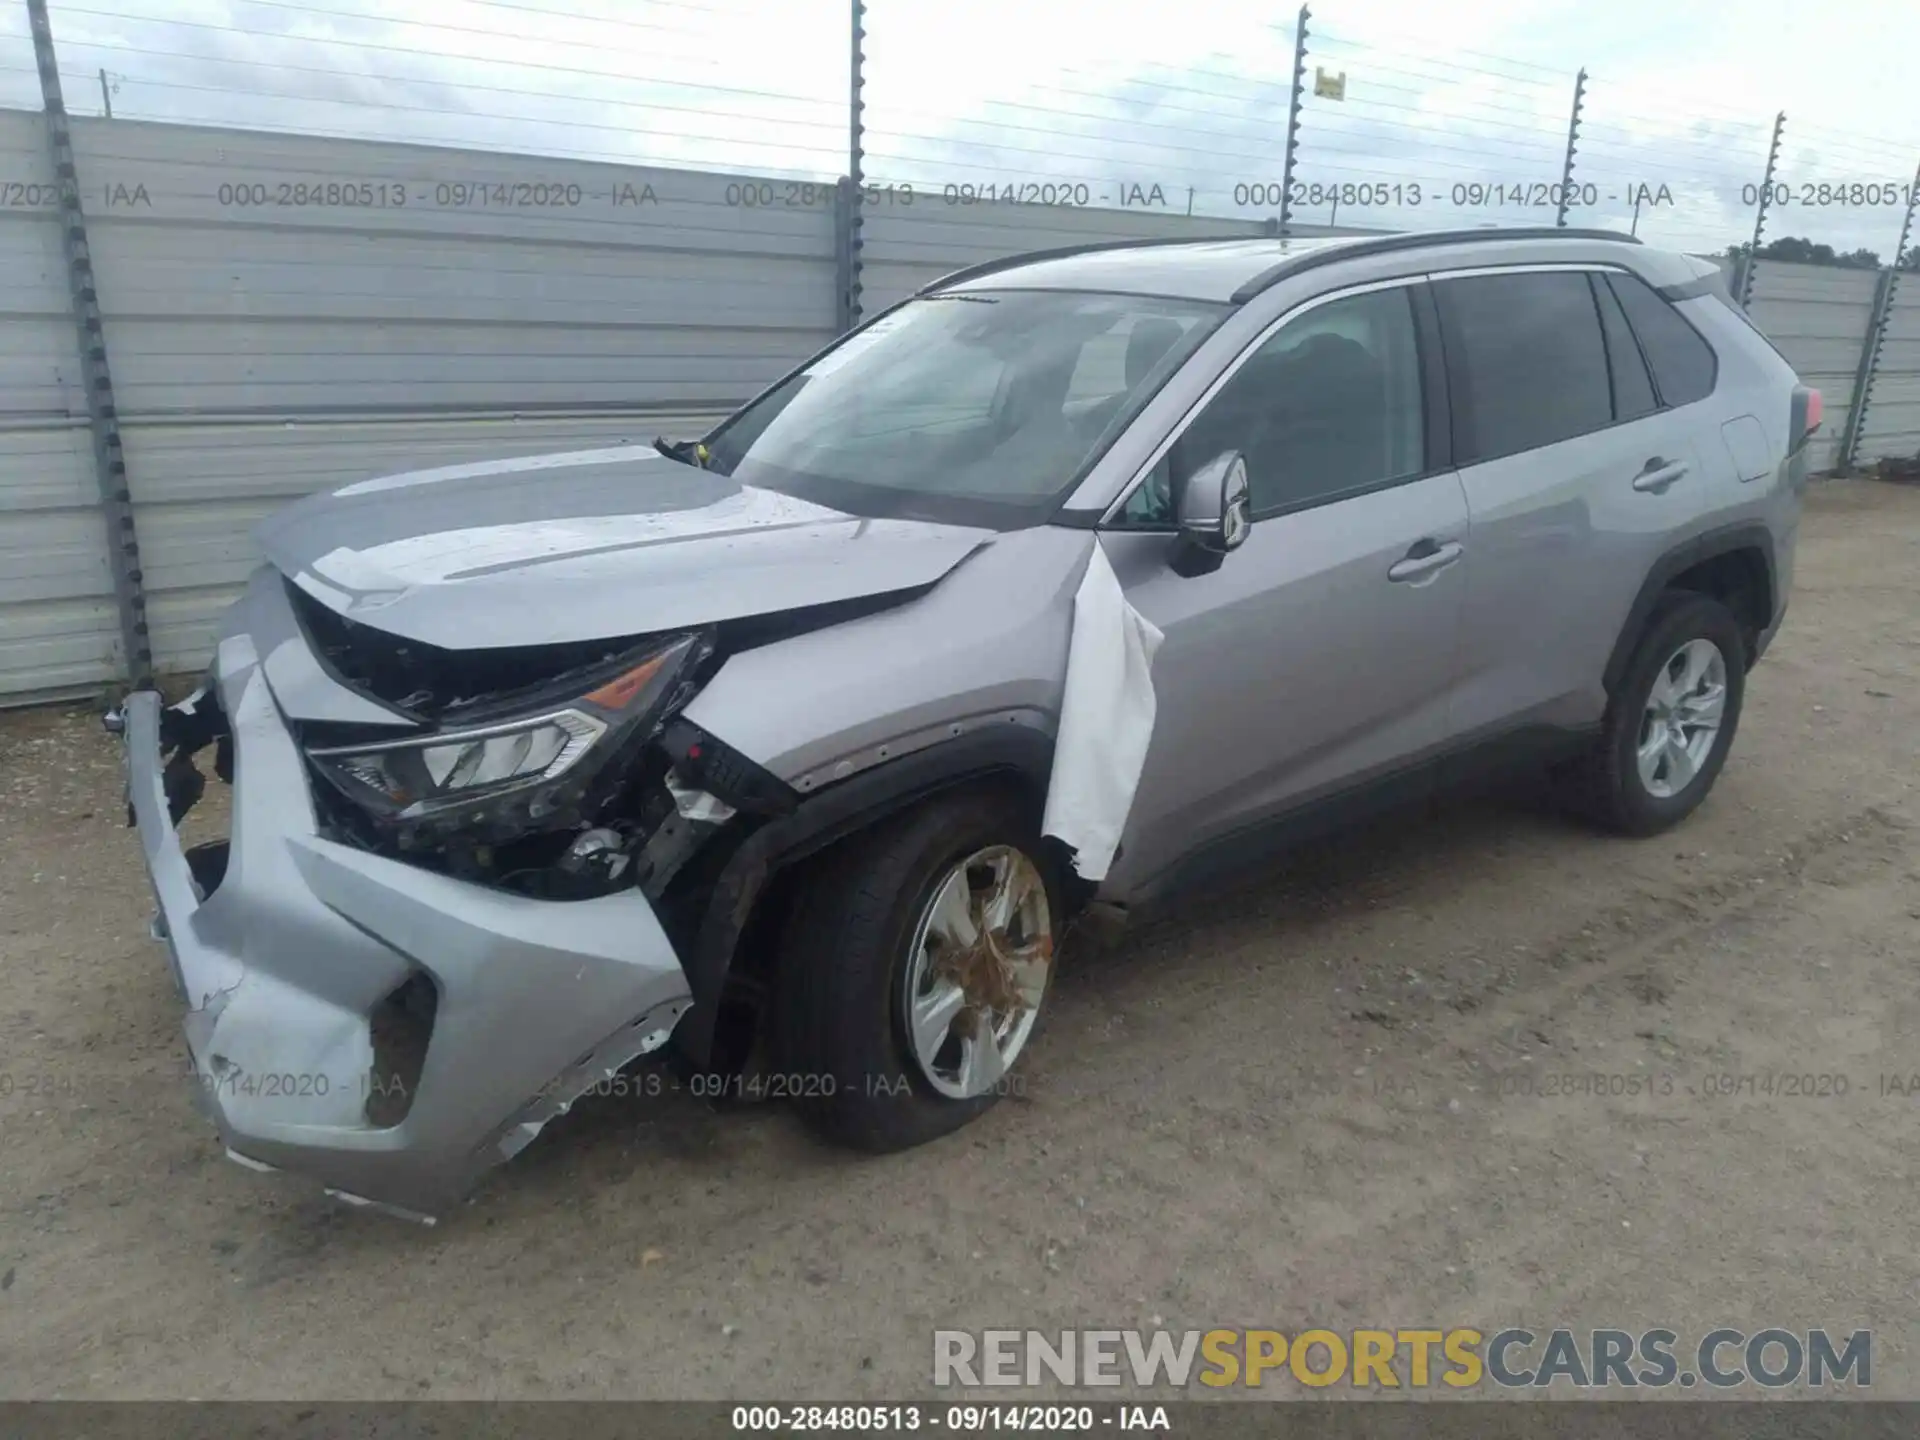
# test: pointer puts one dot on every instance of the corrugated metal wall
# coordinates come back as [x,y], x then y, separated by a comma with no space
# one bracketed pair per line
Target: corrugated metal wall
[266,343]
[57,622]
[1818,316]
[1891,424]
[263,347]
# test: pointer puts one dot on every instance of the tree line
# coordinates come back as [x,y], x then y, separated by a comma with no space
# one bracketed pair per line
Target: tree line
[1808,252]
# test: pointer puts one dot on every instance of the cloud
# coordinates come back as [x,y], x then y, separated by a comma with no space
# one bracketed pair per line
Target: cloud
[1190,98]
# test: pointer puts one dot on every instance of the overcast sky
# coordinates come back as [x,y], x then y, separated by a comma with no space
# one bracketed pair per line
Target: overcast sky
[1118,98]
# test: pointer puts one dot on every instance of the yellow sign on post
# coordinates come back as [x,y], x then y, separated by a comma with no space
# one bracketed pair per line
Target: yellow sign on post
[1329,87]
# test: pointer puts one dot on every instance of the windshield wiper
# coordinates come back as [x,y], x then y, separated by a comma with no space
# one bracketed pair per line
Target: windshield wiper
[687,452]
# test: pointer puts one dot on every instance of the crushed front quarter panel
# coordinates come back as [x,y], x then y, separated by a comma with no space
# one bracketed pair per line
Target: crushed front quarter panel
[283,964]
[988,645]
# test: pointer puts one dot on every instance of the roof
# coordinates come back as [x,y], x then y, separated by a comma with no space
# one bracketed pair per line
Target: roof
[1222,269]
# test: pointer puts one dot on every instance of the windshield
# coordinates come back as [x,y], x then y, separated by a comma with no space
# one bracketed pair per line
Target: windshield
[981,408]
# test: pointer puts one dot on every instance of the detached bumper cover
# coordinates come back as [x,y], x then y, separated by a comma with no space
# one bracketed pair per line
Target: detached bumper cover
[283,964]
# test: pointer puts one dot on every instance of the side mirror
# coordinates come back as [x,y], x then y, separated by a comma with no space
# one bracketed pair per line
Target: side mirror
[1213,512]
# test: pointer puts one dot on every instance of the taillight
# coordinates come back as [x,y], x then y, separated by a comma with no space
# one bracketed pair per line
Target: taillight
[1804,417]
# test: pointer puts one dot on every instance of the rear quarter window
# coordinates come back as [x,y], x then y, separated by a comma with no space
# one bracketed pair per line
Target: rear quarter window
[1683,364]
[1632,386]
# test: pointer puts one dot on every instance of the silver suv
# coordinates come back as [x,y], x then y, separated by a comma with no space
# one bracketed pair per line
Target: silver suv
[1065,582]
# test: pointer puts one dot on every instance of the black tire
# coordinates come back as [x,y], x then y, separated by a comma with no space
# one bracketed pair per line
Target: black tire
[837,1012]
[1604,785]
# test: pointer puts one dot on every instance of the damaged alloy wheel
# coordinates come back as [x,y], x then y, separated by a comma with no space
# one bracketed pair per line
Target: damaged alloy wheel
[978,971]
[915,966]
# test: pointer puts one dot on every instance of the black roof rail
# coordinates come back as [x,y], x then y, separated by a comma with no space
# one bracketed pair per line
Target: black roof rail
[1061,252]
[1414,240]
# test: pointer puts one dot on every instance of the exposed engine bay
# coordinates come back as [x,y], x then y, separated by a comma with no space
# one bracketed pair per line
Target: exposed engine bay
[559,772]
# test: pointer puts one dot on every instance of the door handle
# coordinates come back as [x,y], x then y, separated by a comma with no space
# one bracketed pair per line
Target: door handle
[1428,557]
[1659,474]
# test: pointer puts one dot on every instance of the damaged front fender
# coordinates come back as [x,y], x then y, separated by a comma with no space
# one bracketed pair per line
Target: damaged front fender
[285,963]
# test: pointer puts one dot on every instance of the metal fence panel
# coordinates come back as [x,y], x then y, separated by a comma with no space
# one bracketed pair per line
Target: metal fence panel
[208,484]
[1818,316]
[1891,424]
[57,626]
[287,313]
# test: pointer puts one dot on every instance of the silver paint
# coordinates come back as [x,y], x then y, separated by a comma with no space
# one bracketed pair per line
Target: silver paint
[587,546]
[1299,667]
[282,966]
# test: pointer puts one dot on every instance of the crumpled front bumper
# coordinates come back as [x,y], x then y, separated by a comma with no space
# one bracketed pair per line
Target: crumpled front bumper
[283,965]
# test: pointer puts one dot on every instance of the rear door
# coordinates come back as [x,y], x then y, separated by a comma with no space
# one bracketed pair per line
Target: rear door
[1576,479]
[1319,654]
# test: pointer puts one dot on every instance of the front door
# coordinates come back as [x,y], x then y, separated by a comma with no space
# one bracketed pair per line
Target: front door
[1320,654]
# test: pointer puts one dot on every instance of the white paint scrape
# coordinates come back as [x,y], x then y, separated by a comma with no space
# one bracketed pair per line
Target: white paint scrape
[1106,720]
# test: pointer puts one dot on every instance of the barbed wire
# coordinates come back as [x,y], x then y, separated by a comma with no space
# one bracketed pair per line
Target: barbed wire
[699,84]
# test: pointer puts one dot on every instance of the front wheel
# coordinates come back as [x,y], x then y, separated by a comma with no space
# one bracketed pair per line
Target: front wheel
[1669,725]
[914,970]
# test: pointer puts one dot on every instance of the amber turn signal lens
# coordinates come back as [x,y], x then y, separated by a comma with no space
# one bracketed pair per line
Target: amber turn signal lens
[618,693]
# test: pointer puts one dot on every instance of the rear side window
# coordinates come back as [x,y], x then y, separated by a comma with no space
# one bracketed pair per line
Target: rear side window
[1632,389]
[1683,364]
[1525,353]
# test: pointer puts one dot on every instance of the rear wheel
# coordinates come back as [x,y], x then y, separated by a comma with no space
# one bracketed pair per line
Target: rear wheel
[914,970]
[1670,723]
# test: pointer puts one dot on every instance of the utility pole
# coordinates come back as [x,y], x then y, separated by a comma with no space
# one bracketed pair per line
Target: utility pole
[106,93]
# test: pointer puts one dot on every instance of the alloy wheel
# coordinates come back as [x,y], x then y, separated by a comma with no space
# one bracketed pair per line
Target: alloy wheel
[1682,719]
[981,954]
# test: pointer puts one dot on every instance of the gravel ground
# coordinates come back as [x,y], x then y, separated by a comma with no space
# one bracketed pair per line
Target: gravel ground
[1316,1098]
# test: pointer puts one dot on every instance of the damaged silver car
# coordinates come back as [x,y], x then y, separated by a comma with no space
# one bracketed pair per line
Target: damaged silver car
[797,746]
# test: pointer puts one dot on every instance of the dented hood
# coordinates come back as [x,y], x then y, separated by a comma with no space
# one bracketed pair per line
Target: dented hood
[585,546]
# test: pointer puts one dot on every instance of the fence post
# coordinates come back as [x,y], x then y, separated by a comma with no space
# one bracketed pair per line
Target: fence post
[109,458]
[844,205]
[1293,123]
[1573,139]
[848,220]
[1745,291]
[1876,337]
[1863,371]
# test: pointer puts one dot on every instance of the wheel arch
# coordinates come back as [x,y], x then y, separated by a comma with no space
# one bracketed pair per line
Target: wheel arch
[1015,755]
[1734,564]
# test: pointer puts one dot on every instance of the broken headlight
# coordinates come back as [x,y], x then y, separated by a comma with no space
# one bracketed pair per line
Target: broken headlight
[514,774]
[419,777]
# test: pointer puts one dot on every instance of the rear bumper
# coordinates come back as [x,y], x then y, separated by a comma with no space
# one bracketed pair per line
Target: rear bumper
[1785,545]
[283,965]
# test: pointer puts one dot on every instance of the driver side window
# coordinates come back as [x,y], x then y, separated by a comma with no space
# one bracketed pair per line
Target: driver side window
[1329,405]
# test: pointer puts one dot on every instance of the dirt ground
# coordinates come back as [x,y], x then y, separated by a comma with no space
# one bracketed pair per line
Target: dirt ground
[1314,1099]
